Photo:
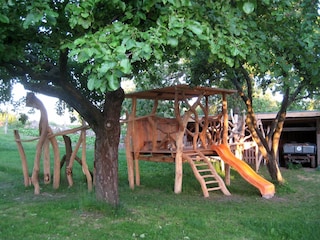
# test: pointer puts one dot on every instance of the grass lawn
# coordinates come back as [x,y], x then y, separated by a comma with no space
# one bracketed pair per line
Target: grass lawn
[153,211]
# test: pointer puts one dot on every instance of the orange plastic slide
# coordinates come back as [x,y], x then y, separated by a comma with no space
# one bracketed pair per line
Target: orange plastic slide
[265,187]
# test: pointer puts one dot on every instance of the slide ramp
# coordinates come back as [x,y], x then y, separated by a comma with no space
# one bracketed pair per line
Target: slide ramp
[265,187]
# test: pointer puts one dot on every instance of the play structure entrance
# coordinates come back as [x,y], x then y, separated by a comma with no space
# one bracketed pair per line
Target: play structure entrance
[192,135]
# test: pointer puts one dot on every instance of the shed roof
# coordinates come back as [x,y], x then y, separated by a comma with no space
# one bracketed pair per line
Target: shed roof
[183,91]
[290,115]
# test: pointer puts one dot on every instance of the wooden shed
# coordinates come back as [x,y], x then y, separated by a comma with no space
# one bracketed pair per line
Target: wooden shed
[299,127]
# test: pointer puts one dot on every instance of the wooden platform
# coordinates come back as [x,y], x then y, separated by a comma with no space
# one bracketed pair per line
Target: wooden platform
[189,132]
[169,155]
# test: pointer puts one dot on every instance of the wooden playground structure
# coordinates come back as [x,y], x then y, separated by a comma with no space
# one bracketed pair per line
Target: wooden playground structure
[191,136]
[46,137]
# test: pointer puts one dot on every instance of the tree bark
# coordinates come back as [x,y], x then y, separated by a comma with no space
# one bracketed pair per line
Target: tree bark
[106,149]
[267,150]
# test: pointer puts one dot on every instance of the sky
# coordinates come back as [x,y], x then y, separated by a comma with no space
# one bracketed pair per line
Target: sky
[49,103]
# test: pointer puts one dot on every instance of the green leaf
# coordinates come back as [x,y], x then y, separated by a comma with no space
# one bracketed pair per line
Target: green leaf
[229,61]
[118,27]
[103,87]
[113,83]
[234,51]
[125,66]
[248,7]
[147,51]
[28,21]
[4,19]
[85,24]
[158,54]
[91,83]
[195,27]
[173,42]
[130,44]
[120,49]
[11,3]
[84,55]
[84,14]
[79,41]
[106,66]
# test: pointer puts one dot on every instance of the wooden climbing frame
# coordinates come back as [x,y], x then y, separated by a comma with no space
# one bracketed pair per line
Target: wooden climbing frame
[155,138]
[46,137]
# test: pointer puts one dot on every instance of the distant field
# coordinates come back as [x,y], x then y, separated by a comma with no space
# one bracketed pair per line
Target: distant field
[153,211]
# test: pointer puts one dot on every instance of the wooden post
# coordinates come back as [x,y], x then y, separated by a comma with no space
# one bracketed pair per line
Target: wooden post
[225,133]
[72,158]
[68,148]
[225,119]
[130,144]
[83,159]
[179,150]
[182,121]
[129,155]
[56,157]
[178,163]
[46,162]
[27,180]
[33,101]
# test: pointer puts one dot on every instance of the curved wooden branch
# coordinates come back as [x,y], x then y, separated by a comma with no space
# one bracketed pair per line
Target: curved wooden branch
[84,162]
[27,180]
[33,101]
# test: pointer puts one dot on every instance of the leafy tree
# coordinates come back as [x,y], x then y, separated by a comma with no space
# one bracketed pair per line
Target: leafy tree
[78,51]
[275,45]
[23,118]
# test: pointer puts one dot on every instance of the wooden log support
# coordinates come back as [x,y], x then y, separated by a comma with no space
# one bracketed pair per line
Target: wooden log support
[225,134]
[27,180]
[130,147]
[43,146]
[84,162]
[72,158]
[56,155]
[129,155]
[33,101]
[68,148]
[183,121]
[46,162]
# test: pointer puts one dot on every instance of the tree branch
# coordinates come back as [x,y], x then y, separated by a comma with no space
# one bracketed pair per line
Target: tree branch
[53,84]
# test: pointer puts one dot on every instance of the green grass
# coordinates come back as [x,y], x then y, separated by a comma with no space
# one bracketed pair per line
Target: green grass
[153,211]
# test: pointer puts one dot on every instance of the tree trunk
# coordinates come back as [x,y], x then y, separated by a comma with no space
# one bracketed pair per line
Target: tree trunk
[266,151]
[106,149]
[273,168]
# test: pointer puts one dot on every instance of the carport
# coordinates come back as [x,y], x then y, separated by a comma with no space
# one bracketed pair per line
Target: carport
[299,127]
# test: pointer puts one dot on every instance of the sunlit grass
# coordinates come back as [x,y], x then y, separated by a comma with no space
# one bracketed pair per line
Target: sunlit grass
[152,210]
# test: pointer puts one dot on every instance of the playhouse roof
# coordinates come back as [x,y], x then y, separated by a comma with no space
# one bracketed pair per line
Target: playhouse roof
[183,91]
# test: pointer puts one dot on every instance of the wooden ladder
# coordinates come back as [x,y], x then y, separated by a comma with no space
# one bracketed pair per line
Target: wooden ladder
[205,173]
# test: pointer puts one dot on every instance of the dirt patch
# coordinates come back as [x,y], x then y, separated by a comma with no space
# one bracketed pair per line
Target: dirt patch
[278,199]
[305,178]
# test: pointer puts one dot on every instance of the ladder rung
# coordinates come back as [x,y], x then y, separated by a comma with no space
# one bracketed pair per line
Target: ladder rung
[200,164]
[210,182]
[204,170]
[214,189]
[197,160]
[207,176]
